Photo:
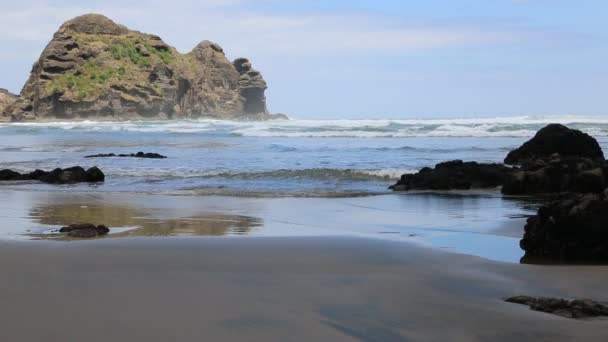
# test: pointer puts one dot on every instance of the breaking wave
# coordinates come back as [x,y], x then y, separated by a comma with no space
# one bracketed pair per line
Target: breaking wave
[520,126]
[317,174]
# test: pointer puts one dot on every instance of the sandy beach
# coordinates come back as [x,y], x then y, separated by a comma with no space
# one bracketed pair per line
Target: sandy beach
[278,289]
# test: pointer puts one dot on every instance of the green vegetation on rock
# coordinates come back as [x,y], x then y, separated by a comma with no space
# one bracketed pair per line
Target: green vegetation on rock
[84,81]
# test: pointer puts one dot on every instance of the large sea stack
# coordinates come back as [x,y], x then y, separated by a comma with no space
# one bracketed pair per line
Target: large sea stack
[96,68]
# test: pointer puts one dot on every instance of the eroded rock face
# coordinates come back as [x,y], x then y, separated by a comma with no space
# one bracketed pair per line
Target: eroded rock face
[578,308]
[251,87]
[95,68]
[454,175]
[6,99]
[572,229]
[556,139]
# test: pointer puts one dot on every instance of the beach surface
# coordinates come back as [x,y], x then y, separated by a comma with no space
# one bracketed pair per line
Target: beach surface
[279,289]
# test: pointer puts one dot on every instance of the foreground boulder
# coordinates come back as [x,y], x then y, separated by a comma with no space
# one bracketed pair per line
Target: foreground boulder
[556,138]
[573,229]
[579,308]
[132,155]
[74,174]
[454,175]
[94,68]
[557,174]
[85,230]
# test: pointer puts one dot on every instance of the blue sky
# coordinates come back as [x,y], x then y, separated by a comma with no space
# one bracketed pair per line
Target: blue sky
[369,59]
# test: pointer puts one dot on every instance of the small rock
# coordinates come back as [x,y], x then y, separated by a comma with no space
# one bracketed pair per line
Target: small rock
[85,230]
[579,308]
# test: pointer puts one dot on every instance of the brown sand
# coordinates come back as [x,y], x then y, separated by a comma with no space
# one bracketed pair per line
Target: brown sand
[278,289]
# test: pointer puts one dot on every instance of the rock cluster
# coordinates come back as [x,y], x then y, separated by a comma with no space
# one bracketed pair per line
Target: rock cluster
[578,308]
[556,161]
[543,168]
[454,175]
[74,174]
[85,230]
[96,68]
[147,155]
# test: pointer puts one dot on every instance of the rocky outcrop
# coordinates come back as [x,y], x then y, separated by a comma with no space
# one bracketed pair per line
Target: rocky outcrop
[6,99]
[454,175]
[85,230]
[557,174]
[578,166]
[74,174]
[557,159]
[556,139]
[578,308]
[572,229]
[148,155]
[95,68]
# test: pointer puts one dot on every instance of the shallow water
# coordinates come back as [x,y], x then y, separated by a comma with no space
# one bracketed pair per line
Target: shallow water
[484,224]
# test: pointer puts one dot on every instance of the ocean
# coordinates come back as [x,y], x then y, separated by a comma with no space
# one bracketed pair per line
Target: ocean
[293,178]
[312,158]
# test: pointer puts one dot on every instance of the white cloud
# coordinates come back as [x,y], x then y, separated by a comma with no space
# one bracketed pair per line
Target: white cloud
[242,30]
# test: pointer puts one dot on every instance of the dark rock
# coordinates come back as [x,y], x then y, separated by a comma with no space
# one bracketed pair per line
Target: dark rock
[579,308]
[94,175]
[74,174]
[556,138]
[556,174]
[85,230]
[572,229]
[132,155]
[9,175]
[456,175]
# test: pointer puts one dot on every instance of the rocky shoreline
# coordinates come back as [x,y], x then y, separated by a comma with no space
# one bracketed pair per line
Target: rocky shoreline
[564,163]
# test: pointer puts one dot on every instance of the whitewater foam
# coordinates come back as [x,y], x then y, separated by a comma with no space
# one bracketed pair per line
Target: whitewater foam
[519,126]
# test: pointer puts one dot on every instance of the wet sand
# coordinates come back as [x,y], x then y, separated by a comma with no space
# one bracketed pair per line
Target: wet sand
[278,289]
[188,268]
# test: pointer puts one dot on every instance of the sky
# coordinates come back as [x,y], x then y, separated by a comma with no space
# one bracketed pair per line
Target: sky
[368,59]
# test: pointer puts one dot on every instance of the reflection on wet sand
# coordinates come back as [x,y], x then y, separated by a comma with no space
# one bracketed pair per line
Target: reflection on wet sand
[125,221]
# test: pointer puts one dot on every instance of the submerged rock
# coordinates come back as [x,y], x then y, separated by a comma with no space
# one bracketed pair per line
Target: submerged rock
[85,230]
[132,155]
[578,308]
[556,138]
[573,229]
[94,68]
[74,174]
[454,175]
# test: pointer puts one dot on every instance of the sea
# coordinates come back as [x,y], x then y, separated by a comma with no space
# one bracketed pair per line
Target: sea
[273,158]
[276,178]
